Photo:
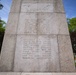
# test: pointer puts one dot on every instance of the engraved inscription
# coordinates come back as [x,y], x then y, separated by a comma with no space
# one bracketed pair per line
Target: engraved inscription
[34,48]
[30,48]
[37,7]
[44,47]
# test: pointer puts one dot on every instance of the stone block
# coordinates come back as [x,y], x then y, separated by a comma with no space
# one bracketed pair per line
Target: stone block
[52,23]
[27,23]
[27,65]
[37,1]
[32,51]
[44,53]
[29,7]
[16,5]
[3,74]
[29,1]
[58,6]
[63,26]
[66,54]
[7,54]
[48,74]
[36,74]
[44,65]
[44,47]
[54,56]
[48,53]
[44,7]
[45,1]
[64,73]
[11,27]
[9,73]
[37,7]
[26,54]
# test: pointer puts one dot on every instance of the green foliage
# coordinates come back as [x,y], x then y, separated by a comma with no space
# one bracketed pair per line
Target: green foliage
[2,30]
[72,24]
[73,39]
[2,26]
[72,30]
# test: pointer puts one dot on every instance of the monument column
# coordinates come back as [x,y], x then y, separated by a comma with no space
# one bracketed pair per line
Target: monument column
[9,43]
[37,38]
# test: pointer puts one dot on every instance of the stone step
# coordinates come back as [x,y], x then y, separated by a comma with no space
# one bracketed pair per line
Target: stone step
[22,73]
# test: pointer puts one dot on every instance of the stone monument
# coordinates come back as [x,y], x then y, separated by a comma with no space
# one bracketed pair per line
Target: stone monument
[37,38]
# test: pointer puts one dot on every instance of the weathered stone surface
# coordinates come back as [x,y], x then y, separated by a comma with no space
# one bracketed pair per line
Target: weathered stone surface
[29,1]
[44,47]
[48,74]
[9,73]
[45,1]
[58,6]
[36,74]
[7,54]
[48,53]
[26,51]
[31,65]
[44,65]
[37,7]
[16,5]
[36,53]
[11,27]
[27,23]
[66,54]
[52,23]
[37,1]
[63,73]
[37,39]
[54,61]
[43,23]
[42,6]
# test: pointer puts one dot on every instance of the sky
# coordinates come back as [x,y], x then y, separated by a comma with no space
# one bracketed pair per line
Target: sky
[6,9]
[69,6]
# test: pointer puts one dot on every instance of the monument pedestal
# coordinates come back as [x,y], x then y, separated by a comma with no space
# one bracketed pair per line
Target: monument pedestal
[37,39]
[10,73]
